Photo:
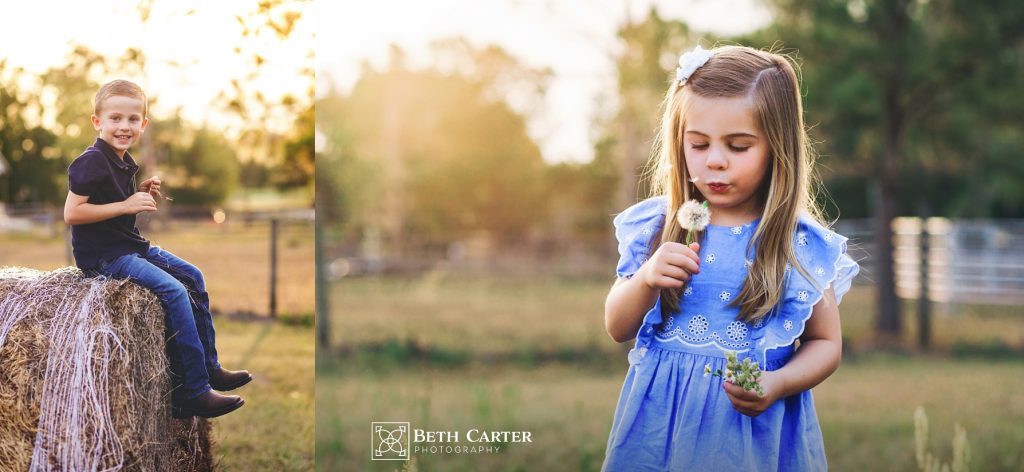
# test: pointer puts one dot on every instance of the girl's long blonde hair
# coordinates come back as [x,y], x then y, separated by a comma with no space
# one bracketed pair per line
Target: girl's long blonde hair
[770,81]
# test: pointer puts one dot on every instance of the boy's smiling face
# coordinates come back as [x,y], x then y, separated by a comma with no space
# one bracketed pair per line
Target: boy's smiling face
[121,122]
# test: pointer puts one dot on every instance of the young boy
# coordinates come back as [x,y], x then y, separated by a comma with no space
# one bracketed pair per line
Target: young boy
[101,207]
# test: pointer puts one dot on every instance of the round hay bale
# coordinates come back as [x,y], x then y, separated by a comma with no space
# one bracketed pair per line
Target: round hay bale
[85,380]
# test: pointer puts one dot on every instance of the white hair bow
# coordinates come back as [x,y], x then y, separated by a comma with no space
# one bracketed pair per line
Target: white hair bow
[690,61]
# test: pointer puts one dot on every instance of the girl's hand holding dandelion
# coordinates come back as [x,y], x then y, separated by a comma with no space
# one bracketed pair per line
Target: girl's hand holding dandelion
[672,264]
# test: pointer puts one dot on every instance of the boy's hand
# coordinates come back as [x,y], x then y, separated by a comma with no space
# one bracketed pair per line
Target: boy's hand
[138,203]
[151,186]
[671,265]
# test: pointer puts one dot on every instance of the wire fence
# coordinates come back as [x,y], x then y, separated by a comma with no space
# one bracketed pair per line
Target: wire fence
[256,263]
[979,261]
[968,260]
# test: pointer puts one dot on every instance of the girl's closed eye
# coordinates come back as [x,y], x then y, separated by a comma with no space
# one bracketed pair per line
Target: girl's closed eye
[732,147]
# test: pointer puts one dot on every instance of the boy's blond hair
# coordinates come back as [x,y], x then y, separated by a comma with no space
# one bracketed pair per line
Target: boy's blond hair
[120,88]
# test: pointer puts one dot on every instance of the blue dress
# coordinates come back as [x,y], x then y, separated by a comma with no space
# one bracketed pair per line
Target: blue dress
[669,415]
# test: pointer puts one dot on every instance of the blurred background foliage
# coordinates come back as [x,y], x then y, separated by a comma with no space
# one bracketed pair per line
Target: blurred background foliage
[926,88]
[913,107]
[248,141]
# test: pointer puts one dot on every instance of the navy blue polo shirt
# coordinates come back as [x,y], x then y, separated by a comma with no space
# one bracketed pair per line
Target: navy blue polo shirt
[105,178]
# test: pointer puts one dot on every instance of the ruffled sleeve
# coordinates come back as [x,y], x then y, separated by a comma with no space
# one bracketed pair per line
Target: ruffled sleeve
[822,253]
[635,229]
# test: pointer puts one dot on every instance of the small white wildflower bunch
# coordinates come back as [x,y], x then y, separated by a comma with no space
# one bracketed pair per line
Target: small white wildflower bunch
[746,374]
[692,217]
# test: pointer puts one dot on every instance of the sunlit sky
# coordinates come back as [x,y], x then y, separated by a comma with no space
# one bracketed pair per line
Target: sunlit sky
[575,38]
[39,34]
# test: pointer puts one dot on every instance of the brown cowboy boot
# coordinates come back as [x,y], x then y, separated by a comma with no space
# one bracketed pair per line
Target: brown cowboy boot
[208,405]
[224,380]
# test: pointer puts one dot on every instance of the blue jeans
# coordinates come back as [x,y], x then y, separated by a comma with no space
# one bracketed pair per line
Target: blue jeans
[189,325]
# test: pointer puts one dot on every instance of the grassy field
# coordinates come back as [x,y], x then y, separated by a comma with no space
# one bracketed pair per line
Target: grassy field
[235,261]
[274,430]
[495,314]
[446,352]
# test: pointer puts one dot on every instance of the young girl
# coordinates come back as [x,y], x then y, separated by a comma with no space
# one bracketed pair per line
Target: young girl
[764,274]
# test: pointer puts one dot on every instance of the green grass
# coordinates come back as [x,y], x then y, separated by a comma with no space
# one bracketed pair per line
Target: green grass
[274,430]
[865,409]
[482,315]
[494,315]
[567,412]
[450,352]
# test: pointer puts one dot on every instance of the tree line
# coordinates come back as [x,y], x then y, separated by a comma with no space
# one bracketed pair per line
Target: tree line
[44,121]
[914,108]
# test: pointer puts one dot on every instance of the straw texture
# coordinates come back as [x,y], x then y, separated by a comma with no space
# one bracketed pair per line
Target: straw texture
[84,379]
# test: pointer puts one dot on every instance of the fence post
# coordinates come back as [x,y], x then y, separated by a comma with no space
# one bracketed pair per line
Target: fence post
[924,323]
[68,254]
[273,268]
[323,326]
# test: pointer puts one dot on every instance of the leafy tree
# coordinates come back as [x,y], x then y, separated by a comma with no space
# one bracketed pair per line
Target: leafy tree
[579,199]
[33,165]
[290,157]
[345,183]
[69,91]
[911,96]
[205,172]
[298,165]
[438,155]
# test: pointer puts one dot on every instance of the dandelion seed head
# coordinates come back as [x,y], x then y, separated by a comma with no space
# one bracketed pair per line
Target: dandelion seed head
[694,216]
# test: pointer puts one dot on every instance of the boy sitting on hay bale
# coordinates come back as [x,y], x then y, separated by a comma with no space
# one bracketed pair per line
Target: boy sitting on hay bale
[101,208]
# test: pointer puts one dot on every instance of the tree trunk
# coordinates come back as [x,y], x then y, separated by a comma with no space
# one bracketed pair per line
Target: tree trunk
[888,324]
[322,285]
[892,30]
[627,158]
[392,220]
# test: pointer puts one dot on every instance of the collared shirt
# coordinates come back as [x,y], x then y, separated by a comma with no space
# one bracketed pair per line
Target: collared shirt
[105,178]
